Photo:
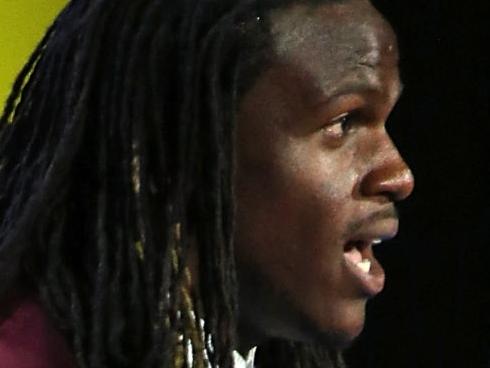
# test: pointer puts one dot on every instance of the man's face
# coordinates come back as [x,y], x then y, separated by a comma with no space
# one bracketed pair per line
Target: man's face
[317,174]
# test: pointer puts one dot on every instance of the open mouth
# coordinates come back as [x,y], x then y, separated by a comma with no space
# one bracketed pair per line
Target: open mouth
[359,263]
[360,253]
[363,267]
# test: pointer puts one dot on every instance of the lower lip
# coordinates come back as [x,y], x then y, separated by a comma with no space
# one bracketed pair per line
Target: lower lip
[370,283]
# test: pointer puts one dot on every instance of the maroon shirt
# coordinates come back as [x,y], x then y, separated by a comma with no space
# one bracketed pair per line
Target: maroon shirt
[28,338]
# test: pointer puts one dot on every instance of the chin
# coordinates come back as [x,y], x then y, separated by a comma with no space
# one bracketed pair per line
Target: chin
[344,338]
[338,331]
[339,338]
[341,330]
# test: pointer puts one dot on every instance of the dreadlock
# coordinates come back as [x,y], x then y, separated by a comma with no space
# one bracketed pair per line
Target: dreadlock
[116,154]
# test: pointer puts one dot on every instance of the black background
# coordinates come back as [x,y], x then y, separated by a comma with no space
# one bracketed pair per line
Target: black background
[435,309]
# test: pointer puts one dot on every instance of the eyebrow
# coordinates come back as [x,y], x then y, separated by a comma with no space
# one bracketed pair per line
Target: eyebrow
[350,88]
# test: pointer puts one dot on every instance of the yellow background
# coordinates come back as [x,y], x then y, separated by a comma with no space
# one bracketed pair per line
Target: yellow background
[22,25]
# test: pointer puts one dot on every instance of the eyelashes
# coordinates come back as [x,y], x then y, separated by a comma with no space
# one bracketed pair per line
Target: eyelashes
[339,126]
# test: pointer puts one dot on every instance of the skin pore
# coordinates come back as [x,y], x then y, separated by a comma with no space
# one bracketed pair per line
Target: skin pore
[315,173]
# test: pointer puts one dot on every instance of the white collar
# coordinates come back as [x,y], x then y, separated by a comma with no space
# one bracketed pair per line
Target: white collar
[240,362]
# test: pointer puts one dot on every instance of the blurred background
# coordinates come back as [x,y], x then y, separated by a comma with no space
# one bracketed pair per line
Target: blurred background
[435,309]
[22,24]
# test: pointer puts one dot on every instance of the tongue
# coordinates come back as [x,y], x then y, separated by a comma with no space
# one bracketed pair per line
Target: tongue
[353,255]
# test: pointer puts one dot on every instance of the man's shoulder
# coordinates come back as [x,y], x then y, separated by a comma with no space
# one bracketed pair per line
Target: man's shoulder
[28,338]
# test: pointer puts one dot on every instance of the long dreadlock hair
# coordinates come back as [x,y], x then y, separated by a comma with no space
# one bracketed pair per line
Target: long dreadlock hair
[116,153]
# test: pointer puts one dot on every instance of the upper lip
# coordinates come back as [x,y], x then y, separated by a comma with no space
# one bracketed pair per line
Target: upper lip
[372,232]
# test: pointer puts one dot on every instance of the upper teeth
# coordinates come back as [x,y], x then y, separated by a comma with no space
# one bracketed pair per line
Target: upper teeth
[364,265]
[376,241]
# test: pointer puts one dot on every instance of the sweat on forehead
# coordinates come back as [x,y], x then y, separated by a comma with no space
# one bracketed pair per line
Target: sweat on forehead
[331,40]
[311,28]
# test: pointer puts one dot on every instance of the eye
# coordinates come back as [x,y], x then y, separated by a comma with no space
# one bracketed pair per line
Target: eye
[340,125]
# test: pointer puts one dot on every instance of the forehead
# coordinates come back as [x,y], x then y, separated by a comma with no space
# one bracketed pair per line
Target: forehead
[330,42]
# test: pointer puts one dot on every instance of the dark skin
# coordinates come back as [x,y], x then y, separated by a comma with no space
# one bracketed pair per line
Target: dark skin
[316,172]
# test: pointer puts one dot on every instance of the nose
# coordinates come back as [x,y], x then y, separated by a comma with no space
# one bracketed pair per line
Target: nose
[389,177]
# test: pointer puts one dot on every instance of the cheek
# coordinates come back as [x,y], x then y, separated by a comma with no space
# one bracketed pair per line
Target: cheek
[291,211]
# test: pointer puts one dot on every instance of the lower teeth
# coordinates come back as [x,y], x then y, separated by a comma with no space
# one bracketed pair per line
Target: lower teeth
[364,265]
